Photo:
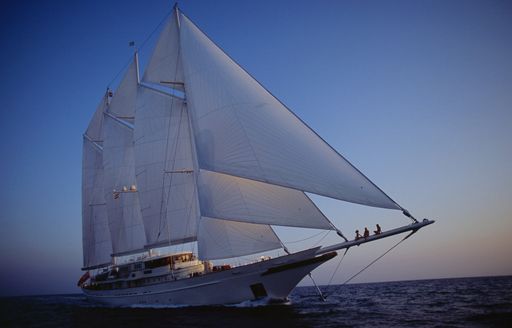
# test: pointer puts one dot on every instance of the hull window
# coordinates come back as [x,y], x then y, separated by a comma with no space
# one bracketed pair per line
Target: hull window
[259,290]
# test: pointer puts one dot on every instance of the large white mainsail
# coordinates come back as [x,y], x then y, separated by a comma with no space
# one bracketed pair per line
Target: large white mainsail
[97,245]
[242,130]
[164,166]
[120,186]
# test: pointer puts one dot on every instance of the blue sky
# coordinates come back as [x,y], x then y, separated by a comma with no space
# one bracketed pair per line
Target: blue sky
[416,94]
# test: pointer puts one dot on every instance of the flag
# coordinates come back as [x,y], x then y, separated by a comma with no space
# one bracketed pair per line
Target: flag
[131,44]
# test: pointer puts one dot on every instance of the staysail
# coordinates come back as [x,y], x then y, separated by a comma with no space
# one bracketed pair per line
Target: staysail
[237,199]
[221,239]
[242,130]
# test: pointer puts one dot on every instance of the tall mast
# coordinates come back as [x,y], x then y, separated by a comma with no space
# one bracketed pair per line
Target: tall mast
[176,12]
[190,126]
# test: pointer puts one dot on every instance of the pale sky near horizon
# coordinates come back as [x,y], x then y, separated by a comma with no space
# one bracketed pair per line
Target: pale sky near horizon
[416,94]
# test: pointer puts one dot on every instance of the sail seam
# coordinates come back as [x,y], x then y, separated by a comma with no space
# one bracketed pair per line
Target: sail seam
[250,144]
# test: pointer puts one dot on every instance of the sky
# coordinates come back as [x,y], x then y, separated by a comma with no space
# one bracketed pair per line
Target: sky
[416,94]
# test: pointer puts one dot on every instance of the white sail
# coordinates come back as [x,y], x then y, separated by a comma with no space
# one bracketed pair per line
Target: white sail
[124,101]
[124,216]
[95,129]
[164,67]
[219,239]
[164,164]
[242,130]
[97,245]
[233,198]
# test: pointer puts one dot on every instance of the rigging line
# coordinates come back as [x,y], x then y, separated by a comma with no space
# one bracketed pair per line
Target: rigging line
[334,272]
[378,258]
[280,241]
[319,241]
[322,297]
[310,237]
[140,47]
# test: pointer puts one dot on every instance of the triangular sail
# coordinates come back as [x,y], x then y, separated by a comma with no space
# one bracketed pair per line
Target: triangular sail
[232,198]
[95,129]
[219,239]
[124,101]
[97,245]
[242,130]
[164,66]
[164,165]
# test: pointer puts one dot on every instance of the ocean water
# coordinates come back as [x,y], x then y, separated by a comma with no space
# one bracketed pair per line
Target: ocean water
[463,302]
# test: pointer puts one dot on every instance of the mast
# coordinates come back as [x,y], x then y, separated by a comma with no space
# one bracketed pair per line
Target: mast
[164,154]
[195,163]
[137,65]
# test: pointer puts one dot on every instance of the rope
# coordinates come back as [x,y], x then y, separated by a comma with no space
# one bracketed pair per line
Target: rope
[334,272]
[310,237]
[378,258]
[320,240]
[366,267]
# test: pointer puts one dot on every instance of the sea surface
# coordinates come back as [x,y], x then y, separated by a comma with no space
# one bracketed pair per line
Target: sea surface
[461,302]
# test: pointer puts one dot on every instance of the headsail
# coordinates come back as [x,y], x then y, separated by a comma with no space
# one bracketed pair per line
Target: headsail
[219,239]
[242,130]
[237,199]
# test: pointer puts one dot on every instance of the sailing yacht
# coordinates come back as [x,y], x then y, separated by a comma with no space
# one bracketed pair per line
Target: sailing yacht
[197,152]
